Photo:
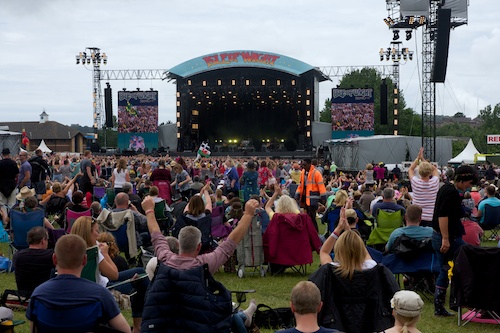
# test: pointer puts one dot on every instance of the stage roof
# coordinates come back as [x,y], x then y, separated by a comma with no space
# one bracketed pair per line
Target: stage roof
[243,58]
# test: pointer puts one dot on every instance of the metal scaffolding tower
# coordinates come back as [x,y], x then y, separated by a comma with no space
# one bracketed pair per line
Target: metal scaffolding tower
[428,87]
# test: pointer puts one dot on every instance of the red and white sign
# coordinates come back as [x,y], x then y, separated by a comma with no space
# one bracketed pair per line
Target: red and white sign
[493,139]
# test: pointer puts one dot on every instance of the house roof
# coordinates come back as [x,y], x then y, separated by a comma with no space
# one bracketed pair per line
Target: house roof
[49,130]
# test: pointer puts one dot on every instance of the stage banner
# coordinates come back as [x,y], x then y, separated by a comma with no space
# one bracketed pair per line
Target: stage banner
[137,120]
[352,113]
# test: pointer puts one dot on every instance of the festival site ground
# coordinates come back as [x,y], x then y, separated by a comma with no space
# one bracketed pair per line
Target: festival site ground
[275,292]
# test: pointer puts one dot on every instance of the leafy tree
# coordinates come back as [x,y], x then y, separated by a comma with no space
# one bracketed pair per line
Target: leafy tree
[325,115]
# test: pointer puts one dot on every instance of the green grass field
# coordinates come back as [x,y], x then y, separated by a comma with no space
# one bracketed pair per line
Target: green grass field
[275,292]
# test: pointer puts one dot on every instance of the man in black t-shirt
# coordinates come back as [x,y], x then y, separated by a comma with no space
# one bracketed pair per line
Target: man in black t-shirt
[33,266]
[448,229]
[39,173]
[8,174]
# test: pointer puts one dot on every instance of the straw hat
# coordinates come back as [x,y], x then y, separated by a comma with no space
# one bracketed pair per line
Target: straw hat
[25,192]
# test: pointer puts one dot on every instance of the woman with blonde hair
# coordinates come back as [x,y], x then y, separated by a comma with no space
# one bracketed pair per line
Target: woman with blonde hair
[284,205]
[182,182]
[88,228]
[350,250]
[113,250]
[331,216]
[407,306]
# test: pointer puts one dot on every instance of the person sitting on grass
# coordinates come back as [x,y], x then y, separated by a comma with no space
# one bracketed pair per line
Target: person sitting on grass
[306,303]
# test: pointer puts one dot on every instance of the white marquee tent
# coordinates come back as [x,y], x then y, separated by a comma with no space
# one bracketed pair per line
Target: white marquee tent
[44,147]
[467,155]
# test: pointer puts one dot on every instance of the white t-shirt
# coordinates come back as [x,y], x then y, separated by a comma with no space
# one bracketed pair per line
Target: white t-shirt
[367,264]
[120,177]
[101,279]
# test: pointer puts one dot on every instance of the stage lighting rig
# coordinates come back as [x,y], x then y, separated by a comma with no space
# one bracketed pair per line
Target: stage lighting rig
[93,55]
[396,35]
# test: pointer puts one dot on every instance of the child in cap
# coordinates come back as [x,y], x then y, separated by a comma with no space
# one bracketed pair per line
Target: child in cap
[407,307]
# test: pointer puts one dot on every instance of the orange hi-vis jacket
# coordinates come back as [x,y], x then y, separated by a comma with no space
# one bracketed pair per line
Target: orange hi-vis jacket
[315,188]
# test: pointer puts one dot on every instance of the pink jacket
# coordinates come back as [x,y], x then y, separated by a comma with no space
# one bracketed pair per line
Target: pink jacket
[290,239]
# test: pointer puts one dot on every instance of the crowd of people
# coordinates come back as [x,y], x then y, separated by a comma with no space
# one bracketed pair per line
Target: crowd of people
[444,205]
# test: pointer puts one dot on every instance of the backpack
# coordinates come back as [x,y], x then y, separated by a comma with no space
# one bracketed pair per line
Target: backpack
[408,248]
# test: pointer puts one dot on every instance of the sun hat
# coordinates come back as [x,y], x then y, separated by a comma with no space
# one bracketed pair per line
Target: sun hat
[407,303]
[25,192]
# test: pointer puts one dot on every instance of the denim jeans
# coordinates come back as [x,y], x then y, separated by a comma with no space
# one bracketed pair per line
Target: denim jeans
[238,322]
[443,258]
[140,286]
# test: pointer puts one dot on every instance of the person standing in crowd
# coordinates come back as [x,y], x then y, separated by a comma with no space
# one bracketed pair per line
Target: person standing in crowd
[120,175]
[8,174]
[25,170]
[40,172]
[425,187]
[448,229]
[231,178]
[249,180]
[310,190]
[87,181]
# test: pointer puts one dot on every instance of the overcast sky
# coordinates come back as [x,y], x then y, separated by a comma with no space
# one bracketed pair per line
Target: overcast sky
[40,38]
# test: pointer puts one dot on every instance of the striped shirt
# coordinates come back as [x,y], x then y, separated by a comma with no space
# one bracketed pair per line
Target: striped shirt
[424,195]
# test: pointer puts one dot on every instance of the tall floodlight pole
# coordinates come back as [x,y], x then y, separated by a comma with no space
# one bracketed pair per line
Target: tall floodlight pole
[396,53]
[92,55]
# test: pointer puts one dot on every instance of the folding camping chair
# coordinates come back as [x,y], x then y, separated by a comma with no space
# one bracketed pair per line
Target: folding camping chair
[385,224]
[121,225]
[99,192]
[83,316]
[491,221]
[165,220]
[20,224]
[475,284]
[91,269]
[287,246]
[71,217]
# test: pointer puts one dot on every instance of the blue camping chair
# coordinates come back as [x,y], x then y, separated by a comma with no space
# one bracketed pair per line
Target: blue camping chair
[20,224]
[61,319]
[491,220]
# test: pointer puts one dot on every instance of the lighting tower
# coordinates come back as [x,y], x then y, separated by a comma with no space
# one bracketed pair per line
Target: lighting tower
[396,53]
[425,14]
[92,55]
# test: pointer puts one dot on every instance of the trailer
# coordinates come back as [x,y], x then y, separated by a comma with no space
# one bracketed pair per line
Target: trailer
[353,154]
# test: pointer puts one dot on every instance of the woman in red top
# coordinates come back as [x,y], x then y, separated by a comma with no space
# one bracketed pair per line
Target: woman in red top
[264,174]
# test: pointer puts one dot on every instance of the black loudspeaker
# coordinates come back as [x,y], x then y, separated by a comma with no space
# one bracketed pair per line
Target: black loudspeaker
[108,106]
[442,45]
[383,103]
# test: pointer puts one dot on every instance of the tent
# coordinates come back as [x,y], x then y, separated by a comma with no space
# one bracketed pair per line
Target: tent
[467,155]
[44,147]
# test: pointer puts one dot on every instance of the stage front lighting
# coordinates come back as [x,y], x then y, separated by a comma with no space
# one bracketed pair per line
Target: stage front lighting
[408,34]
[396,34]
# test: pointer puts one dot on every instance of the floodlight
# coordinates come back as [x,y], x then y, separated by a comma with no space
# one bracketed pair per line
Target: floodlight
[408,34]
[396,35]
